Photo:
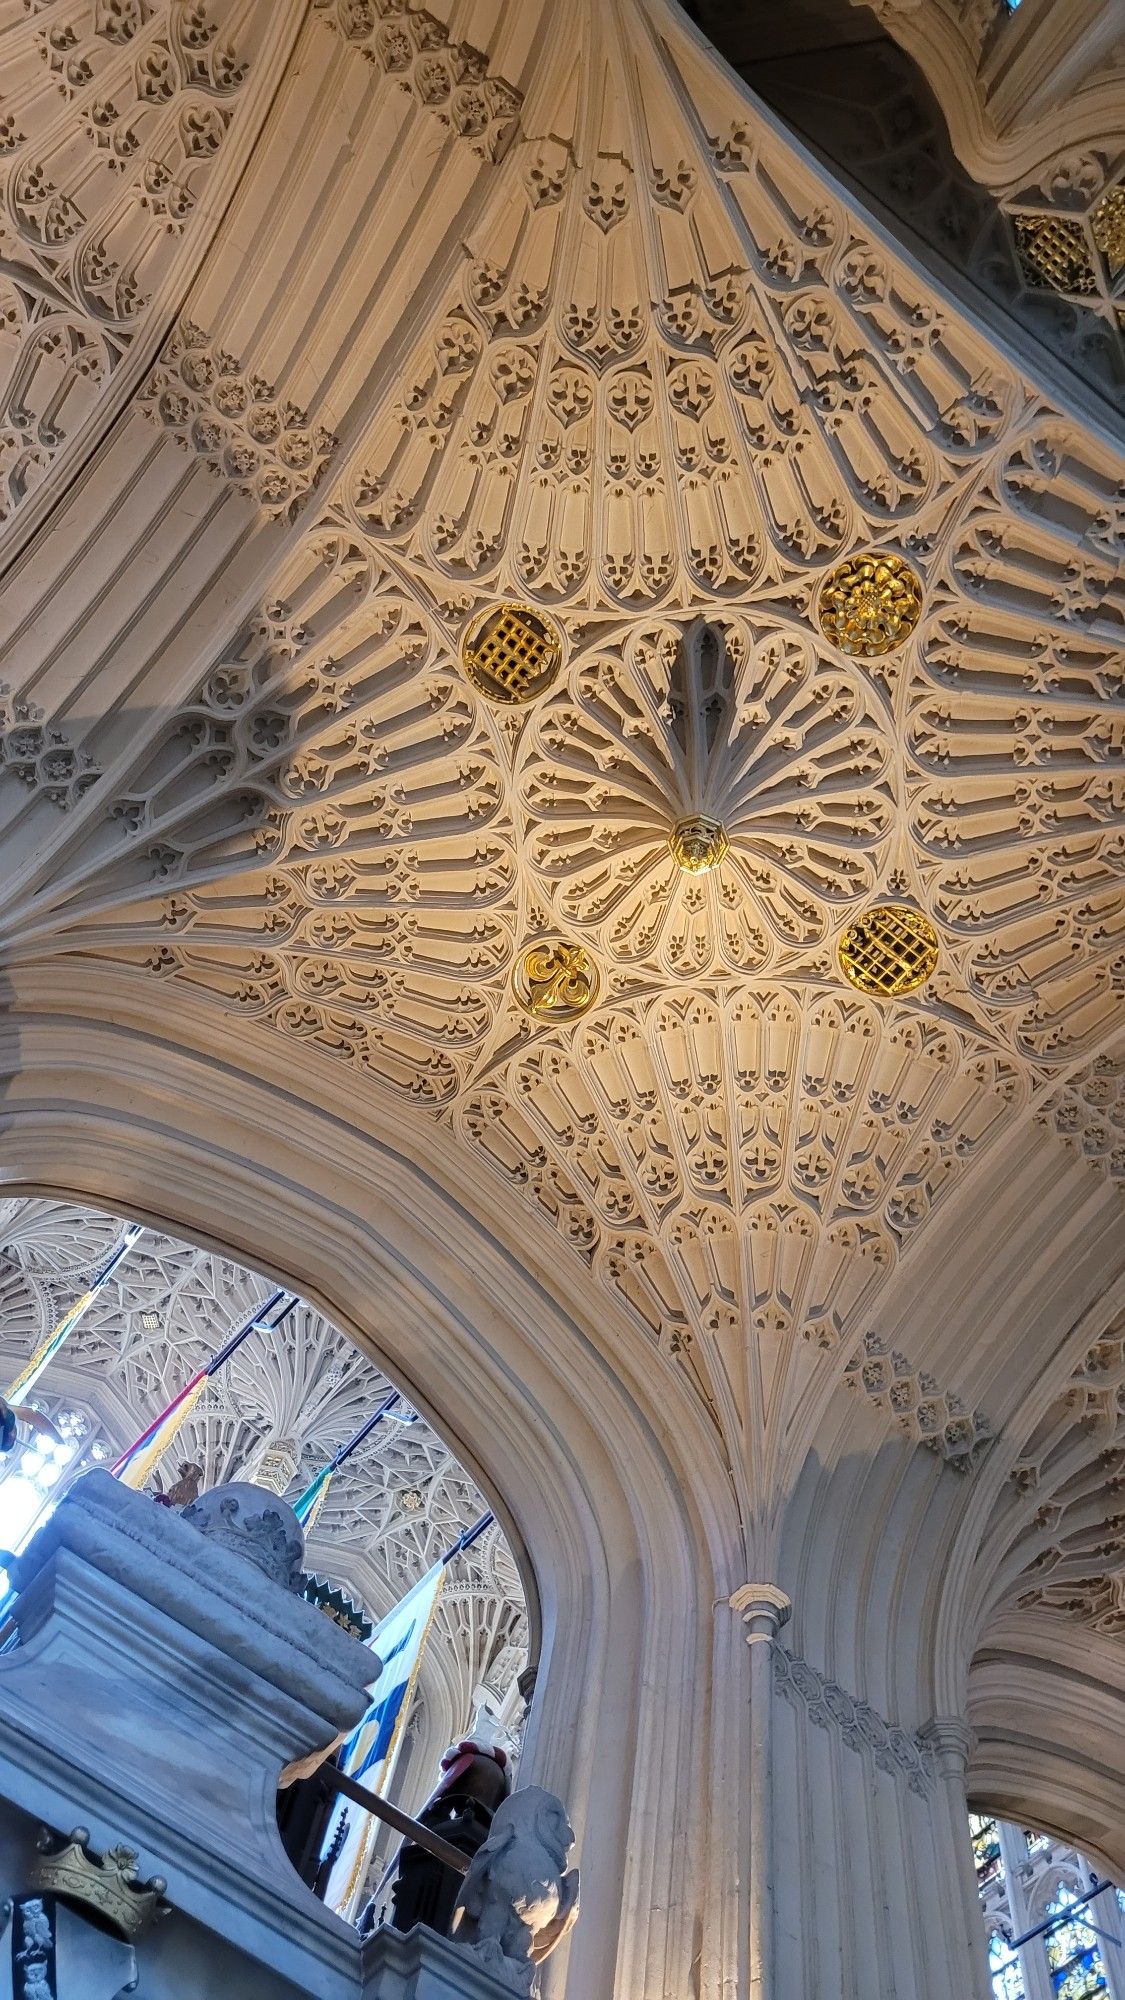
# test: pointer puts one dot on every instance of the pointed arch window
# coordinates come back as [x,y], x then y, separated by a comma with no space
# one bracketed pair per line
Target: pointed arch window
[36,1472]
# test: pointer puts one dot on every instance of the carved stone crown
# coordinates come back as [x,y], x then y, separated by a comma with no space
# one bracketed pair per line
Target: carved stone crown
[253,1524]
[107,1884]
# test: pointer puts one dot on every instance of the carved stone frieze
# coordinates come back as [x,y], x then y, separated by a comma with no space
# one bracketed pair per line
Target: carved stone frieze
[1057,1539]
[902,1756]
[1042,239]
[934,1417]
[1088,1111]
[112,118]
[42,757]
[451,79]
[661,388]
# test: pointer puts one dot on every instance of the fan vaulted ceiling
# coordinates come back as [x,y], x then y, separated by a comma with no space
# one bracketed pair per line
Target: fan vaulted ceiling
[330,326]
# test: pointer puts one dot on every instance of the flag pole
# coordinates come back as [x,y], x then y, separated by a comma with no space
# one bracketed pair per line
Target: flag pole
[139,1460]
[46,1351]
[310,1502]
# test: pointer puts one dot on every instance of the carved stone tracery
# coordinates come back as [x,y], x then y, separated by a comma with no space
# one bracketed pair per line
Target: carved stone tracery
[395,1506]
[124,108]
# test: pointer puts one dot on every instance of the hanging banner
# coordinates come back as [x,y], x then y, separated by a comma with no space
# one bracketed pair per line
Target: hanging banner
[44,1354]
[369,1754]
[140,1460]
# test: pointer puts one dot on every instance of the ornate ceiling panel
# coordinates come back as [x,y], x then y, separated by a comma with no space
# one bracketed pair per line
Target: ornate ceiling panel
[663,384]
[394,1507]
[115,119]
[1056,1543]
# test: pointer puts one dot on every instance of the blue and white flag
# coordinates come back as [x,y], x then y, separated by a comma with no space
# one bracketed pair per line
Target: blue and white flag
[370,1752]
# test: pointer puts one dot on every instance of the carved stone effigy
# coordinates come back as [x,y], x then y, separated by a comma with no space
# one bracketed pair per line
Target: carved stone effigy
[519,1900]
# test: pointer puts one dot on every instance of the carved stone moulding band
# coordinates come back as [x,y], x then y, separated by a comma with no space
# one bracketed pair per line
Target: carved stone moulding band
[889,951]
[870,604]
[512,653]
[555,980]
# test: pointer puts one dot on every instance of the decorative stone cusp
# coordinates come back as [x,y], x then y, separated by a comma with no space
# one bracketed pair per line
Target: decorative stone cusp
[870,604]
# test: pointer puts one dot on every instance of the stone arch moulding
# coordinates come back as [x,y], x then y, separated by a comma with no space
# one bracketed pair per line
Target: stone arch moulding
[626,1560]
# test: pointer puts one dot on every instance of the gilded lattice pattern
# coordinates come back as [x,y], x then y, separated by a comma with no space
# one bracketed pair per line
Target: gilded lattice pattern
[512,653]
[1054,252]
[890,950]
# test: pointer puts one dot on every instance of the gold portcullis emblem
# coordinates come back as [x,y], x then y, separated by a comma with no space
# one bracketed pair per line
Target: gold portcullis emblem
[1052,251]
[555,981]
[1108,225]
[889,951]
[869,604]
[698,843]
[512,653]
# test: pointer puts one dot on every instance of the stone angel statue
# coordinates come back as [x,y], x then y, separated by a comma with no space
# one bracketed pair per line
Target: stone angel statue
[518,1899]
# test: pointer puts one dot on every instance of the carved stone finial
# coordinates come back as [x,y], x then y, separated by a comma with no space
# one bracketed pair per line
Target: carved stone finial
[518,1899]
[254,1524]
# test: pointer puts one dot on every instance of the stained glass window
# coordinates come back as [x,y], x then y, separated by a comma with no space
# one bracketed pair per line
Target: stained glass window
[986,1849]
[31,1473]
[1076,1966]
[1004,1965]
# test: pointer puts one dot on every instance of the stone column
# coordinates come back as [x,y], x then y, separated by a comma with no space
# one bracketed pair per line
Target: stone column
[950,1741]
[1017,1872]
[764,1610]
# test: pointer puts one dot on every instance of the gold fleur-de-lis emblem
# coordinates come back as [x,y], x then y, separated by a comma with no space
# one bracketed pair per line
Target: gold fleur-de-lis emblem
[556,980]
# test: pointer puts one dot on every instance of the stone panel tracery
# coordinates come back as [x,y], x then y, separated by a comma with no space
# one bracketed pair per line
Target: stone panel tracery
[114,115]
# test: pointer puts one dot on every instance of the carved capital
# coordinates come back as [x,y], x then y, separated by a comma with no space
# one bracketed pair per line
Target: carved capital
[764,1610]
[951,1741]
